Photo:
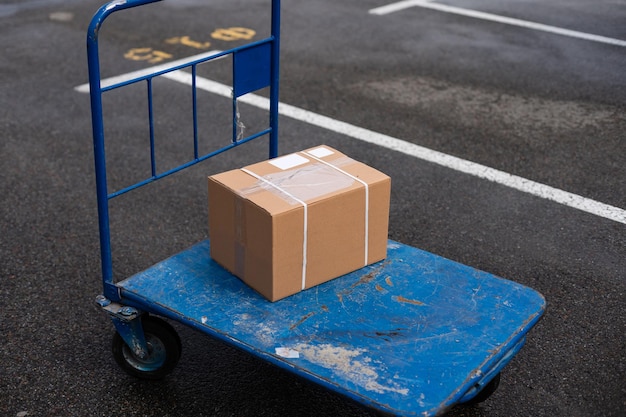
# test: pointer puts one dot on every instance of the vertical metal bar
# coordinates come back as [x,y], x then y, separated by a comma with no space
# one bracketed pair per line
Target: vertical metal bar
[95,91]
[234,97]
[151,124]
[195,111]
[99,156]
[274,79]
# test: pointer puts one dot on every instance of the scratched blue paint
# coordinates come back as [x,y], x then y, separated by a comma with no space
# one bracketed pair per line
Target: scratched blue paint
[409,335]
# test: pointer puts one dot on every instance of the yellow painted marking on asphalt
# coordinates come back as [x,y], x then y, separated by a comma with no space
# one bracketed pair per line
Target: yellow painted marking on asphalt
[147,54]
[233,34]
[187,41]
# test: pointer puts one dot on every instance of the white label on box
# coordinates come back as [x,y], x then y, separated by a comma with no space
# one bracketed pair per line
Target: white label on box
[288,161]
[321,152]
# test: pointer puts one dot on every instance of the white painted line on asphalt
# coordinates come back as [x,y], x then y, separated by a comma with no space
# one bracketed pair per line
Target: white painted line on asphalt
[107,82]
[395,7]
[408,148]
[458,164]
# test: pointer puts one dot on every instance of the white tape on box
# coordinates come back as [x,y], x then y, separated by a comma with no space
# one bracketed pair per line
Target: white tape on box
[319,151]
[306,217]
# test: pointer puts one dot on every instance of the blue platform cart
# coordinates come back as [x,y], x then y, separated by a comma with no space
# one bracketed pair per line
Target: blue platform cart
[414,334]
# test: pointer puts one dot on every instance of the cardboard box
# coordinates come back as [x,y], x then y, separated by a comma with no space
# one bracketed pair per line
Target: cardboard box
[296,221]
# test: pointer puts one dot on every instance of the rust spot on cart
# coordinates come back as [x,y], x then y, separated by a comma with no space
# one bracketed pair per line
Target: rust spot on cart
[401,299]
[365,279]
[293,326]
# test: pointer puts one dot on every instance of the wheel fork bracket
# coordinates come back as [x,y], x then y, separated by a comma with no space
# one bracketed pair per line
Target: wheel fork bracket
[127,322]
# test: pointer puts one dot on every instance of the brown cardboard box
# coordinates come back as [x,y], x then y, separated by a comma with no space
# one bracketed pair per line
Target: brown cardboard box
[296,221]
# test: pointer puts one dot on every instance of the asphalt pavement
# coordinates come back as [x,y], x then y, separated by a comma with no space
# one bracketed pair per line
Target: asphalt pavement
[546,107]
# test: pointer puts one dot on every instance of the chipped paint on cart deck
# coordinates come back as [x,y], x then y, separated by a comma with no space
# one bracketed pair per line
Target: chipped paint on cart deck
[350,364]
[381,348]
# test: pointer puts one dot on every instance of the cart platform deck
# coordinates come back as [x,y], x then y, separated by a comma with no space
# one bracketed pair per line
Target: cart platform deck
[411,335]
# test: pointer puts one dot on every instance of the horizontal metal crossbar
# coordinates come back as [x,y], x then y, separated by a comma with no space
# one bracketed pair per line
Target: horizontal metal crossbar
[188,164]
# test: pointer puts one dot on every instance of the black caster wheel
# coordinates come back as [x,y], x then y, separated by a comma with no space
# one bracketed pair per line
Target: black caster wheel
[164,349]
[486,392]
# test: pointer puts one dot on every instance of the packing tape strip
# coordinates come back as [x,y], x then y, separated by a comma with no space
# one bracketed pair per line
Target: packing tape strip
[367,198]
[306,182]
[306,217]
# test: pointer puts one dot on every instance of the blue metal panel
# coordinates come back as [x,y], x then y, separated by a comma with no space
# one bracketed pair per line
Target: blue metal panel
[252,69]
[410,335]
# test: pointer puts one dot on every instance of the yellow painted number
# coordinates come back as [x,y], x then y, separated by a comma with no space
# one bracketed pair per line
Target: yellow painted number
[233,34]
[153,56]
[147,54]
[185,40]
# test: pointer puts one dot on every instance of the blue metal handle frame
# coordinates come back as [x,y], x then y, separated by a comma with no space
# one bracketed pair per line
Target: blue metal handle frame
[245,55]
